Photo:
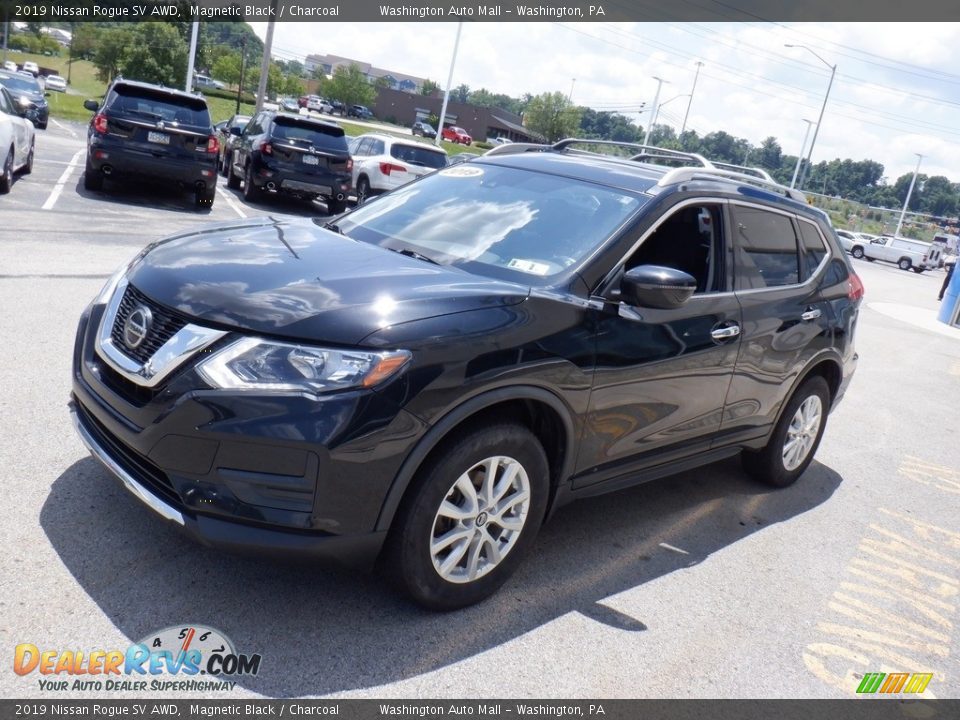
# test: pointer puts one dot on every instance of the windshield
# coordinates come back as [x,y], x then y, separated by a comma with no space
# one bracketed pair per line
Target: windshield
[509,223]
[159,106]
[418,155]
[19,82]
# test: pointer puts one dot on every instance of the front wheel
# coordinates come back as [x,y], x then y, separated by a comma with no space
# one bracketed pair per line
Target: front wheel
[471,517]
[857,252]
[795,439]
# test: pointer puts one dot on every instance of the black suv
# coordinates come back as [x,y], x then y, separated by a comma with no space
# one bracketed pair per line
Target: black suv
[27,92]
[283,153]
[426,379]
[152,133]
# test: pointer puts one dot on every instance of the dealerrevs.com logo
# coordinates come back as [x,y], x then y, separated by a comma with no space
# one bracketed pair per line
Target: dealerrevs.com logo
[179,658]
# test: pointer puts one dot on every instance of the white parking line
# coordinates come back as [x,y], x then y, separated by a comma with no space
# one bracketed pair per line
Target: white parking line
[231,202]
[64,127]
[58,188]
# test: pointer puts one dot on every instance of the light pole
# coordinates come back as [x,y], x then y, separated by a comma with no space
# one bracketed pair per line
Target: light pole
[833,72]
[656,97]
[446,93]
[690,101]
[573,82]
[909,193]
[793,182]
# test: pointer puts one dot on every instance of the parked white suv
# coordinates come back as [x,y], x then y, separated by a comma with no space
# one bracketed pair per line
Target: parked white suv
[383,162]
[16,141]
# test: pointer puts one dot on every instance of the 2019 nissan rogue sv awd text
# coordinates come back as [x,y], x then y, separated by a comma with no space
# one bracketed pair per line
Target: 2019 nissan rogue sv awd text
[424,380]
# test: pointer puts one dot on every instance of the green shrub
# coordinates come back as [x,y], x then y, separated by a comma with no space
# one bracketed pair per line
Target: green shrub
[483,145]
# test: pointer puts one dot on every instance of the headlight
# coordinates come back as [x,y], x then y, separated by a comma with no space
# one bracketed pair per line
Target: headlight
[264,365]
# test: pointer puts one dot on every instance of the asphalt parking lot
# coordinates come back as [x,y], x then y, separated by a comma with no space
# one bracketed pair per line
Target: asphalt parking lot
[704,585]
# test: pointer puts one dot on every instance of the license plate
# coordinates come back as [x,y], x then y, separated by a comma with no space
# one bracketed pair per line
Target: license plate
[311,160]
[159,138]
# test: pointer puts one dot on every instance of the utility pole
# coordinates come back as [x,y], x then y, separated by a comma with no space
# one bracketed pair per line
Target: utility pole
[833,72]
[193,54]
[265,63]
[70,59]
[909,193]
[243,59]
[446,93]
[573,82]
[653,111]
[690,101]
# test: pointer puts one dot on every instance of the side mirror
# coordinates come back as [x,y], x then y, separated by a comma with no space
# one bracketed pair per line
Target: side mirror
[654,286]
[91,105]
[236,131]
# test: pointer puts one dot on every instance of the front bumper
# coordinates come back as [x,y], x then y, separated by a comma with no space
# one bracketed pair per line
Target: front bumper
[259,475]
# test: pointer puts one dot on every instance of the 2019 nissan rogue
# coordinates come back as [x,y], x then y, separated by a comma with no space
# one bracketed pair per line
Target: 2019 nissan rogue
[426,378]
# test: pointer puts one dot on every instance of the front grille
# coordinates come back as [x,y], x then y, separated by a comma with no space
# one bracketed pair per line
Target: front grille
[133,462]
[166,323]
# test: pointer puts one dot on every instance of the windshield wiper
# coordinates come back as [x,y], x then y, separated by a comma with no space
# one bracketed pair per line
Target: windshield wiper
[414,254]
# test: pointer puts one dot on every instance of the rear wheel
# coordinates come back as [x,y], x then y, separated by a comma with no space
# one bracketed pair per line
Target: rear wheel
[92,178]
[795,439]
[204,198]
[250,191]
[225,165]
[28,167]
[363,190]
[335,207]
[6,177]
[233,181]
[471,517]
[904,264]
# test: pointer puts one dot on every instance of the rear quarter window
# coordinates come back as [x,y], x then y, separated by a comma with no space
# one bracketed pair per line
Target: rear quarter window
[814,248]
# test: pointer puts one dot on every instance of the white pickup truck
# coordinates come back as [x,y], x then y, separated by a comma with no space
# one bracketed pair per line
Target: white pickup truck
[905,253]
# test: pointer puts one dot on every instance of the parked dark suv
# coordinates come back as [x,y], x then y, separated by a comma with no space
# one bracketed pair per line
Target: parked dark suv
[426,379]
[283,153]
[154,133]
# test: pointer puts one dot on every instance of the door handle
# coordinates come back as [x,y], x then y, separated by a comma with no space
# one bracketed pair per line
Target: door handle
[810,314]
[725,333]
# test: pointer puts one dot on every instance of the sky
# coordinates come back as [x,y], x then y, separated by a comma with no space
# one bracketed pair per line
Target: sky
[896,91]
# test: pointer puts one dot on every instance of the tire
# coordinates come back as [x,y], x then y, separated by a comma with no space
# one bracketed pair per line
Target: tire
[904,264]
[204,199]
[250,191]
[857,252]
[225,165]
[6,175]
[92,178]
[795,439]
[42,126]
[335,207]
[233,182]
[464,570]
[363,190]
[28,167]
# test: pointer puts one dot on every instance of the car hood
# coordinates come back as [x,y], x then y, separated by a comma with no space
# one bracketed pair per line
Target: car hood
[297,280]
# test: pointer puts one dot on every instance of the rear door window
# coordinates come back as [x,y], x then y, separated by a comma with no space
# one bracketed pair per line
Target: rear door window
[766,249]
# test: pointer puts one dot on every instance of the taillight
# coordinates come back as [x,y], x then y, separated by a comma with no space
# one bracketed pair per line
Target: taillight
[266,148]
[855,289]
[100,124]
[213,145]
[387,168]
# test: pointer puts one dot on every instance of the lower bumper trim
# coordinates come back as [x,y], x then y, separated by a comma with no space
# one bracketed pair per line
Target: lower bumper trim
[145,496]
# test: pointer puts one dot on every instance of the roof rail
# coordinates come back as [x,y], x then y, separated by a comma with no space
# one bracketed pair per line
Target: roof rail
[759,172]
[514,148]
[684,174]
[645,151]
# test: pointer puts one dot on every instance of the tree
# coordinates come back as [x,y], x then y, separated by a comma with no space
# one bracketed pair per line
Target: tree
[227,68]
[295,68]
[349,85]
[292,86]
[382,82]
[771,154]
[461,93]
[85,40]
[429,87]
[155,53]
[110,48]
[553,116]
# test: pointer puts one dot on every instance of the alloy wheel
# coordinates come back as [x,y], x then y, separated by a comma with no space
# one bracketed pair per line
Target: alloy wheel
[802,432]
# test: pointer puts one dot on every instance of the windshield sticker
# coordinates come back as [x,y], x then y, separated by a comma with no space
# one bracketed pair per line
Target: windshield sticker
[529,266]
[462,171]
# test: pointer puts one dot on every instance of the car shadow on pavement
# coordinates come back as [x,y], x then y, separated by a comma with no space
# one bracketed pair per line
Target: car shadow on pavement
[133,194]
[321,631]
[279,203]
